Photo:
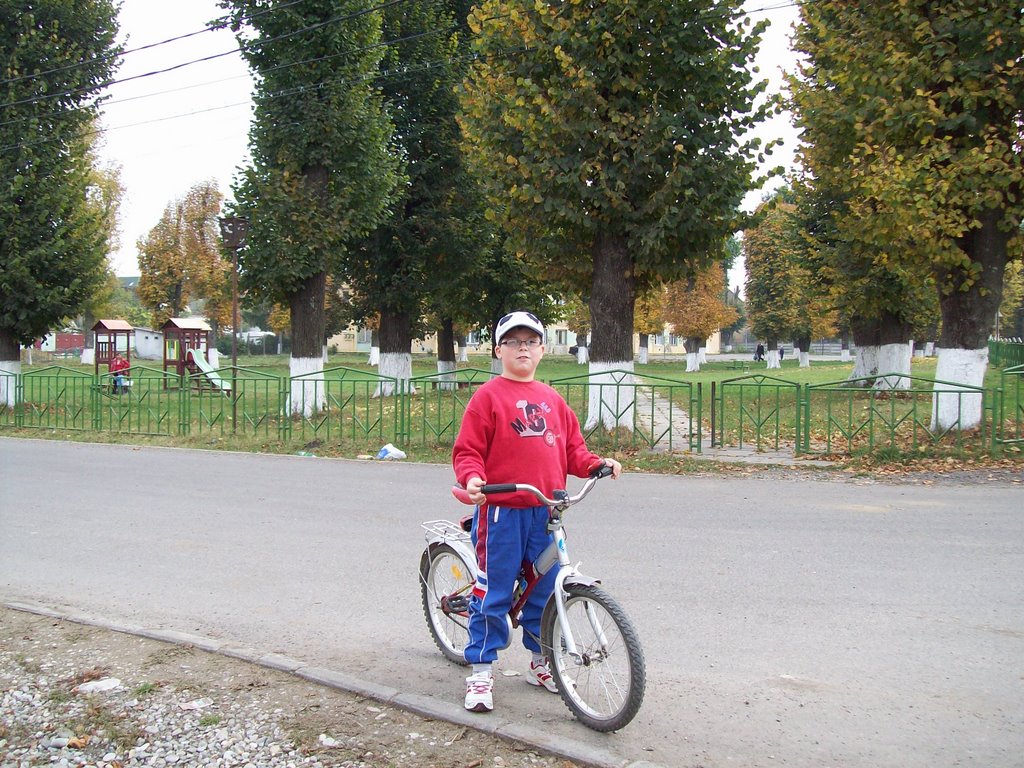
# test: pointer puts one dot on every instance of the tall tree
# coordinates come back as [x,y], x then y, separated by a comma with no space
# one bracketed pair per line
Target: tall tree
[770,258]
[322,172]
[696,308]
[421,259]
[105,194]
[609,136]
[56,56]
[649,318]
[932,94]
[179,258]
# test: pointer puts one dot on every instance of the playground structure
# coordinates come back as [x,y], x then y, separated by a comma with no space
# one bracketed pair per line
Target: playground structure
[181,335]
[107,333]
[212,375]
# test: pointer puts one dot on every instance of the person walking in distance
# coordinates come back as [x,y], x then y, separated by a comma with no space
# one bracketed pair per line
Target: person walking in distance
[515,430]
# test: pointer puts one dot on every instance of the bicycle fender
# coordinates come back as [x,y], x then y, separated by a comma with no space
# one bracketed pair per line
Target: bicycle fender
[580,580]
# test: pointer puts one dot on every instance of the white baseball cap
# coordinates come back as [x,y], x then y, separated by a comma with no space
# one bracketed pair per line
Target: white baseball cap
[517,319]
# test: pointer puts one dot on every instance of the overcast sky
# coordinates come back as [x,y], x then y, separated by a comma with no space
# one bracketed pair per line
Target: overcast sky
[169,131]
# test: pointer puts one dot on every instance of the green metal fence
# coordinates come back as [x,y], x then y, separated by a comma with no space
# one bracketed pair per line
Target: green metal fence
[1010,421]
[148,405]
[757,409]
[57,398]
[852,416]
[238,401]
[436,402]
[10,393]
[619,409]
[1005,354]
[344,404]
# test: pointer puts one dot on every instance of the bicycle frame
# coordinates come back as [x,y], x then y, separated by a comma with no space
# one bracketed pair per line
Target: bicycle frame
[556,553]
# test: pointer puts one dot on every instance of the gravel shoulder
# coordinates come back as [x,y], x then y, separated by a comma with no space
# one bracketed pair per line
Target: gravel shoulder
[178,705]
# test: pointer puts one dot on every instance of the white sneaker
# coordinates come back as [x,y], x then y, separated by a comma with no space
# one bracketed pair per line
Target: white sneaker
[479,689]
[539,674]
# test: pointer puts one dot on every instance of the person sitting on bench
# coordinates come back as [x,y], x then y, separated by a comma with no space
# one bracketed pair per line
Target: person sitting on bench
[118,369]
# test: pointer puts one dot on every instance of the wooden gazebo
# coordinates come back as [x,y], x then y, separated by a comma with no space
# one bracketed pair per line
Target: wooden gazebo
[180,335]
[107,333]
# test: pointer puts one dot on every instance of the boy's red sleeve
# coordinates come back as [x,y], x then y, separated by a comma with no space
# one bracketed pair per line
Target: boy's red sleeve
[579,459]
[469,451]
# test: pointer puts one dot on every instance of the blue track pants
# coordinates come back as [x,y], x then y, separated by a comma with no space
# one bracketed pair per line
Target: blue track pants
[504,537]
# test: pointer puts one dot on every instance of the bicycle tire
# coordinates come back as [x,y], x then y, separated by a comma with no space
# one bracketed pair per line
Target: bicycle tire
[605,689]
[443,571]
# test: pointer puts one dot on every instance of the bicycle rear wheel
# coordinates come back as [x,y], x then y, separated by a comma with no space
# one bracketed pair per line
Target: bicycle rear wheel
[446,580]
[604,686]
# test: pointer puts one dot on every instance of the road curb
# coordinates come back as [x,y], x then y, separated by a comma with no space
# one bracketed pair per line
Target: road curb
[425,706]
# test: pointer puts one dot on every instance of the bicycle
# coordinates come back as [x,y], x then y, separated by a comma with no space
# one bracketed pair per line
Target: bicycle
[594,651]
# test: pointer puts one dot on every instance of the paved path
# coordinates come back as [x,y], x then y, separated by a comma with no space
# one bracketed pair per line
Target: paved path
[784,621]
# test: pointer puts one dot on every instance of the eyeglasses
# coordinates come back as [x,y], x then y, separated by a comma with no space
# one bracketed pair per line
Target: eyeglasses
[517,343]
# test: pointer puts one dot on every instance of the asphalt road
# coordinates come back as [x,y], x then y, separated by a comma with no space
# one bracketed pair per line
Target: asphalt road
[785,622]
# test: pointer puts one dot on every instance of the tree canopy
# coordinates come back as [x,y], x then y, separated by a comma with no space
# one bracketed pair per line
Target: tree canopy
[322,172]
[912,113]
[608,136]
[180,258]
[55,57]
[423,257]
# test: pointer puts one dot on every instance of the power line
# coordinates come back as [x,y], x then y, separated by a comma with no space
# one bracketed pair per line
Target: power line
[233,51]
[378,76]
[212,28]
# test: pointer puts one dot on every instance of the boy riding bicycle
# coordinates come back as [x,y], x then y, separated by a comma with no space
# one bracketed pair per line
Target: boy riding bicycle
[515,430]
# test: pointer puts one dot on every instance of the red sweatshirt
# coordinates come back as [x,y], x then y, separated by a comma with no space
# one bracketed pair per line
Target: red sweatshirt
[520,432]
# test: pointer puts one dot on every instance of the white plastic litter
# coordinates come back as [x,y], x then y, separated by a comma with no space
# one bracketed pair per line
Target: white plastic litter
[96,686]
[390,452]
[197,704]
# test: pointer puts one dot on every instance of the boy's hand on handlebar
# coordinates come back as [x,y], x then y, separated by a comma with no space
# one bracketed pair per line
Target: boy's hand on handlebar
[615,467]
[473,486]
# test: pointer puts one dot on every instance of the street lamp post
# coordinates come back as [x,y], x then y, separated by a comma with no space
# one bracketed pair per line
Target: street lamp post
[233,230]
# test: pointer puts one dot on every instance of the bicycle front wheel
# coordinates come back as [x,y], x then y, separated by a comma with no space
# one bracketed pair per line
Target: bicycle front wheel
[604,684]
[446,581]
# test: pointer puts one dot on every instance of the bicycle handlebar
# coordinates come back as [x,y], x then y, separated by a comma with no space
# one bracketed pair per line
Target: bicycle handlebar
[596,473]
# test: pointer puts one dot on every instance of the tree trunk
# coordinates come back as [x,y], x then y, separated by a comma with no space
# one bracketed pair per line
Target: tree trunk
[644,348]
[446,342]
[612,298]
[967,317]
[306,308]
[844,345]
[803,344]
[395,351]
[446,355]
[374,348]
[693,354]
[463,349]
[882,348]
[10,367]
[772,354]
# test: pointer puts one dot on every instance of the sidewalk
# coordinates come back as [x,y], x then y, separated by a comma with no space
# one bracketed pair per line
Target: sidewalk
[749,455]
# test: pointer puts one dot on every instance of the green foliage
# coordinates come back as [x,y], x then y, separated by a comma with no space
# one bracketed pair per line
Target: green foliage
[322,172]
[613,125]
[56,229]
[912,111]
[768,247]
[426,255]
